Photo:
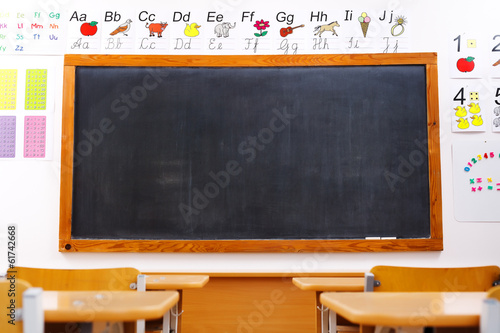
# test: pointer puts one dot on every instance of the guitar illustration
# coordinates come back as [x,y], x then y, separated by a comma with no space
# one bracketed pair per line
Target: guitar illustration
[286,31]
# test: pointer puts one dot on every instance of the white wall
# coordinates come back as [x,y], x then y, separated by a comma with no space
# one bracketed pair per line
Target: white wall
[29,190]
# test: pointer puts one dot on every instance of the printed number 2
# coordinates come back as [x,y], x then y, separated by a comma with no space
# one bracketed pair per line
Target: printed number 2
[497,47]
[460,96]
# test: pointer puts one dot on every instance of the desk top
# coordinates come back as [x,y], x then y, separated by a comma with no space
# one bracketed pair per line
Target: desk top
[87,306]
[157,282]
[330,283]
[407,309]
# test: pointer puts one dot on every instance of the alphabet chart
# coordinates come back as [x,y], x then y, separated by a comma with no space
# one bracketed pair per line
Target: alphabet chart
[476,178]
[155,30]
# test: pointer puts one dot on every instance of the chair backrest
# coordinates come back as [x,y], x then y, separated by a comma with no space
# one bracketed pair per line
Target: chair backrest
[396,278]
[11,295]
[80,279]
[494,293]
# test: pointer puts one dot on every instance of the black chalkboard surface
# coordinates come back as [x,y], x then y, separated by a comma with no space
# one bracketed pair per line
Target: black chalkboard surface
[251,153]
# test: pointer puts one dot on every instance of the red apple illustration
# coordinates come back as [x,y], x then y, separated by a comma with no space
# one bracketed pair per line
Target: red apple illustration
[89,29]
[465,64]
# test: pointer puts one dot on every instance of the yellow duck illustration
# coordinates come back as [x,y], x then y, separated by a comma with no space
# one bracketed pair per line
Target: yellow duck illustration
[477,120]
[463,123]
[192,30]
[474,108]
[461,111]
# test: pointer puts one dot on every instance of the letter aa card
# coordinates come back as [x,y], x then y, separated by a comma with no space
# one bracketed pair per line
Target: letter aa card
[84,31]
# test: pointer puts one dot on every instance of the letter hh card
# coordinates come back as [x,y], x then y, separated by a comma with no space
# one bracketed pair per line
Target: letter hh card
[35,129]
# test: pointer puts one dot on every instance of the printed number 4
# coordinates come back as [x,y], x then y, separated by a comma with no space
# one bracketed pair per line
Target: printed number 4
[459,97]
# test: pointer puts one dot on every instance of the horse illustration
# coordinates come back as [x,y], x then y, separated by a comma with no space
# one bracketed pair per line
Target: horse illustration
[326,27]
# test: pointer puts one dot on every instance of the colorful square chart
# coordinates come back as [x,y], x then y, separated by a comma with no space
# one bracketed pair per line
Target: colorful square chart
[35,132]
[36,89]
[8,89]
[7,136]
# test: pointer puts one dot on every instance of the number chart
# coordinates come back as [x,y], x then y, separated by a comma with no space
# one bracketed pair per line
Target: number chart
[8,89]
[36,89]
[34,136]
[7,136]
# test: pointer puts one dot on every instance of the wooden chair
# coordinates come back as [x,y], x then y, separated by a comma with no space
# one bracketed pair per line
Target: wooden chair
[111,279]
[19,298]
[396,278]
[107,279]
[490,314]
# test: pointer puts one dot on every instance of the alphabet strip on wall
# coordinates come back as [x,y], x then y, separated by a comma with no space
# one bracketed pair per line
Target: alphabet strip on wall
[204,31]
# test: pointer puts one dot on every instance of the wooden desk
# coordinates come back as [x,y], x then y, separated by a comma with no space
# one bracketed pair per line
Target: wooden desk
[407,309]
[170,281]
[178,282]
[321,284]
[90,306]
[330,283]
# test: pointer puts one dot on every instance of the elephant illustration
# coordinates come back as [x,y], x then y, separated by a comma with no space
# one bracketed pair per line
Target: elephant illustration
[222,29]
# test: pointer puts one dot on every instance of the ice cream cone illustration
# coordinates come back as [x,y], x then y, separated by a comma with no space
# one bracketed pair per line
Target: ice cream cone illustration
[364,20]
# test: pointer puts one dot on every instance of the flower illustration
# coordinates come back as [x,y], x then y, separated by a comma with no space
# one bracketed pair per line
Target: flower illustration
[261,26]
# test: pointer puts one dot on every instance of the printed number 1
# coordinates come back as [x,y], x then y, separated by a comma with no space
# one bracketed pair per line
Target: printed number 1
[458,42]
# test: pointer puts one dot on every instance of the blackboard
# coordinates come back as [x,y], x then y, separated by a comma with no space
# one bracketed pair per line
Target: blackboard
[188,156]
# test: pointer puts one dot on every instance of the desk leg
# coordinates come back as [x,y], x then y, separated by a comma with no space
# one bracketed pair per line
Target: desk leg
[332,321]
[323,318]
[167,325]
[141,287]
[33,316]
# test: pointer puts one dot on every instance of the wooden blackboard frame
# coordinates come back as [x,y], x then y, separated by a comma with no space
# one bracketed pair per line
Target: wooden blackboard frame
[69,244]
